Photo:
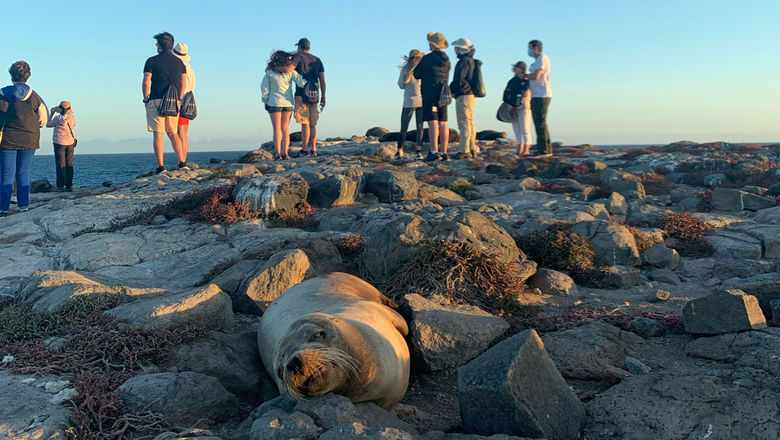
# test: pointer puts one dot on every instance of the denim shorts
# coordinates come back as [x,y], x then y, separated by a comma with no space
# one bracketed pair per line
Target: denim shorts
[278,109]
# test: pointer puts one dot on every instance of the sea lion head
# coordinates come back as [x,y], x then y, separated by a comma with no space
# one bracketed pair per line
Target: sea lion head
[313,358]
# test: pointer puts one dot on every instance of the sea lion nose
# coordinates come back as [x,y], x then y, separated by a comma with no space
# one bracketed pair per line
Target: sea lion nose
[294,365]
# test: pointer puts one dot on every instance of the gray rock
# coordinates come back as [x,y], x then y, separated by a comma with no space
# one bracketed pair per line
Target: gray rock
[727,244]
[439,195]
[283,270]
[768,215]
[591,351]
[278,425]
[621,277]
[741,268]
[641,214]
[490,135]
[207,307]
[243,170]
[646,327]
[377,132]
[774,190]
[336,190]
[734,200]
[774,305]
[714,180]
[231,280]
[661,256]
[234,360]
[552,282]
[272,193]
[392,185]
[665,276]
[476,229]
[764,287]
[631,189]
[26,410]
[182,398]
[616,204]
[190,434]
[446,335]
[723,312]
[769,235]
[526,269]
[514,388]
[635,366]
[613,243]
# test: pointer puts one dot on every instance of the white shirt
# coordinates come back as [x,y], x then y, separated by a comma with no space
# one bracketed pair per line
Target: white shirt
[190,78]
[540,88]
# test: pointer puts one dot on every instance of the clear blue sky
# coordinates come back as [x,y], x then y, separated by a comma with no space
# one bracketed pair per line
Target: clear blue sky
[623,71]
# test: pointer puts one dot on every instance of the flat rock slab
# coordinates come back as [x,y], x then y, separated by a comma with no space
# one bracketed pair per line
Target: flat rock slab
[514,388]
[723,312]
[26,412]
[447,335]
[22,259]
[207,307]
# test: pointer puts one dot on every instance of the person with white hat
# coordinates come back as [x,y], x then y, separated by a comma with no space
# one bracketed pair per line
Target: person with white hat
[181,50]
[462,91]
[64,144]
[433,73]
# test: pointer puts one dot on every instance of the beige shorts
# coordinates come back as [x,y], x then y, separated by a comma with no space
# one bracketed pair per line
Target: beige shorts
[155,122]
[306,114]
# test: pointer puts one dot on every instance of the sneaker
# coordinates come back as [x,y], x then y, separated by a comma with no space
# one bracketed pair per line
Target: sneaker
[313,153]
[303,153]
[432,156]
[24,208]
[445,157]
[3,214]
[399,155]
[418,155]
[69,189]
[13,200]
[160,169]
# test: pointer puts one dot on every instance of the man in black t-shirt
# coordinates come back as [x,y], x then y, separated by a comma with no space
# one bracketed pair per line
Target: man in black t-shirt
[160,72]
[307,114]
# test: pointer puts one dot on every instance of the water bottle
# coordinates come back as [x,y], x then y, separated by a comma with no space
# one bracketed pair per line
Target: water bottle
[519,100]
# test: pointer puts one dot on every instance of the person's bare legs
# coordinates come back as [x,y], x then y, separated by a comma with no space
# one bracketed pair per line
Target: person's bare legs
[313,134]
[433,135]
[176,143]
[276,125]
[444,134]
[185,142]
[158,147]
[285,121]
[305,133]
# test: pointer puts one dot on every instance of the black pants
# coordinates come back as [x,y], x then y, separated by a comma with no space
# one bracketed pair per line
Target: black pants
[406,117]
[63,160]
[539,108]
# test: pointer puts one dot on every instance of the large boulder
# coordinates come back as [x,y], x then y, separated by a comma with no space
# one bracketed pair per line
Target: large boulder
[514,388]
[476,229]
[445,335]
[28,411]
[272,193]
[336,190]
[764,287]
[377,131]
[552,282]
[591,351]
[728,244]
[628,188]
[616,204]
[392,185]
[723,312]
[231,280]
[729,199]
[205,307]
[613,243]
[661,256]
[439,195]
[283,270]
[234,360]
[390,242]
[182,398]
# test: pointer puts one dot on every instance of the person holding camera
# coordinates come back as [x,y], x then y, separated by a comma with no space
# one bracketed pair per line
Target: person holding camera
[64,144]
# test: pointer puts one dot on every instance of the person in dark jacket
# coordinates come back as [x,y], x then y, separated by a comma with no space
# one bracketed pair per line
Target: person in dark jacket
[465,100]
[22,114]
[518,94]
[433,73]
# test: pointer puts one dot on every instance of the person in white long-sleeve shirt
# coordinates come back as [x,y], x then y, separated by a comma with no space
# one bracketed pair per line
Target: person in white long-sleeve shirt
[277,95]
[412,102]
[64,144]
[182,51]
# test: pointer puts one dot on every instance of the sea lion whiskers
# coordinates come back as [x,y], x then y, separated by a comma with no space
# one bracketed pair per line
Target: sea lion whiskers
[340,359]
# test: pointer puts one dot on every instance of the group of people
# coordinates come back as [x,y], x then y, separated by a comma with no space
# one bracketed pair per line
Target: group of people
[424,79]
[306,73]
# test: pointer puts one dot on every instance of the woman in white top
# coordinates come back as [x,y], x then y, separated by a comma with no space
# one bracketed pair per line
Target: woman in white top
[64,144]
[277,95]
[412,102]
[182,51]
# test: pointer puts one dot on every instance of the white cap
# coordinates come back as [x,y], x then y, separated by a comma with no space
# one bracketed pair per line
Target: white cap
[463,43]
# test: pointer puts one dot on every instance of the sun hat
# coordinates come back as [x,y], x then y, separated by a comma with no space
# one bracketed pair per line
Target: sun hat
[414,53]
[463,43]
[63,107]
[304,43]
[182,51]
[503,114]
[437,40]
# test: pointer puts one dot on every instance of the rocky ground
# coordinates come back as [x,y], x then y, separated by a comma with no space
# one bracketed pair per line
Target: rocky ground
[607,294]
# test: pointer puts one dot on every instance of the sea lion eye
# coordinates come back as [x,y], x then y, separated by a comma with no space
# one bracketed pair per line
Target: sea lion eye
[319,335]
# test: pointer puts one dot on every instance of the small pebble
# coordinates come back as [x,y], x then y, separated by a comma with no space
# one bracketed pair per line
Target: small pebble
[635,366]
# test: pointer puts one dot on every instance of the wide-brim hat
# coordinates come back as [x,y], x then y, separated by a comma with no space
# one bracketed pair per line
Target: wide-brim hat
[415,53]
[463,43]
[63,107]
[503,114]
[437,40]
[182,51]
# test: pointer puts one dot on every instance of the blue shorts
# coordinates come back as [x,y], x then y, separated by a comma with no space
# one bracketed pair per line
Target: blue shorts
[278,109]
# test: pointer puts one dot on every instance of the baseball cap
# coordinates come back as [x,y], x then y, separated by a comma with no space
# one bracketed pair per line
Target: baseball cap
[304,43]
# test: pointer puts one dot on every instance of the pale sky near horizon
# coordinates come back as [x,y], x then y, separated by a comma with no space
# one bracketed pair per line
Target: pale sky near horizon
[623,72]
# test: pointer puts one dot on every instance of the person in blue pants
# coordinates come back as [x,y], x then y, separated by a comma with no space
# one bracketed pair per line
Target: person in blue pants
[22,114]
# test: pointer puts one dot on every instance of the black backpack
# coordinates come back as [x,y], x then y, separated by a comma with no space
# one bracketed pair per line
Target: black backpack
[188,108]
[311,93]
[477,85]
[169,104]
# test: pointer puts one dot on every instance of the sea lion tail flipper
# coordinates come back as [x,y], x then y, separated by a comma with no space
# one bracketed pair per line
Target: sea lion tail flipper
[388,302]
[398,321]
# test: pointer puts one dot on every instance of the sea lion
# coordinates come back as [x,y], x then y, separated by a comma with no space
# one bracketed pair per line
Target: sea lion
[336,334]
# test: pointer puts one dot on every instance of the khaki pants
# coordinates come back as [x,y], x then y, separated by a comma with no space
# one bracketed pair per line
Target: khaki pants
[464,107]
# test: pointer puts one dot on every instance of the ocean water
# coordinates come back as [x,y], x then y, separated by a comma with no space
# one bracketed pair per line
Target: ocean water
[94,169]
